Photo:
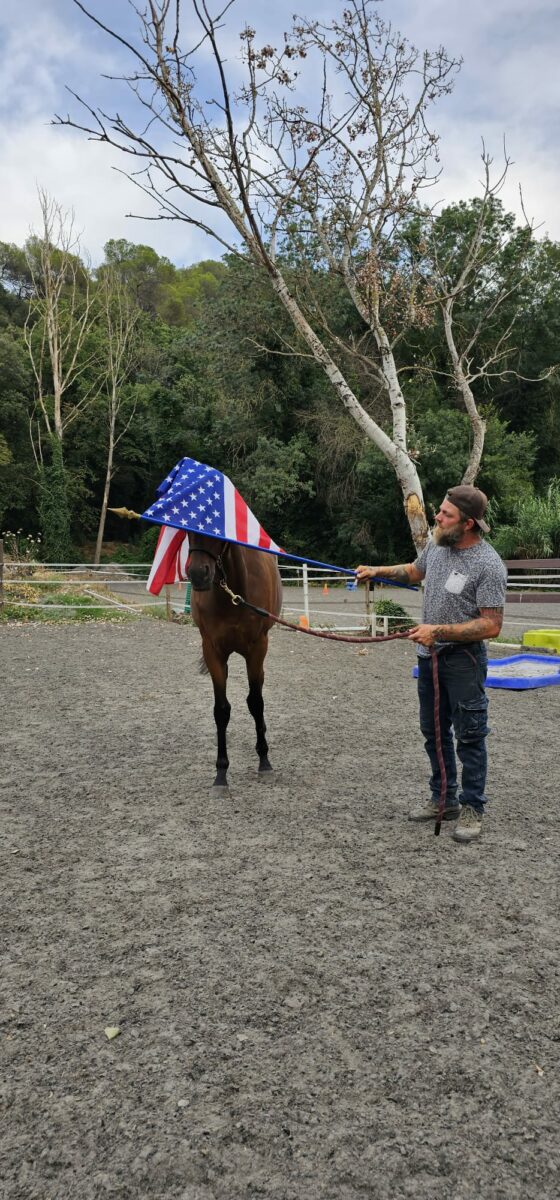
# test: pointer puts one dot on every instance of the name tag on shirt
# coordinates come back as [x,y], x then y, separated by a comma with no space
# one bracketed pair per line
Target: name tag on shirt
[455,583]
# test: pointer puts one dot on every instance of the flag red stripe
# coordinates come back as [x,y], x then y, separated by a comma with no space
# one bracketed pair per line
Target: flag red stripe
[240,517]
[166,567]
[264,540]
[156,565]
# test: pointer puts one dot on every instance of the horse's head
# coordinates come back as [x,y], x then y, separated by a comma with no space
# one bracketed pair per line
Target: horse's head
[204,556]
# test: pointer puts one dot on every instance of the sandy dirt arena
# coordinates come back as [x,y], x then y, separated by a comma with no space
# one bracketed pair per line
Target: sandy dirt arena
[316,998]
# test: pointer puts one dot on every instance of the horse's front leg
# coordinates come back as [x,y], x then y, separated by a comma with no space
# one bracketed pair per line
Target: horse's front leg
[217,667]
[255,703]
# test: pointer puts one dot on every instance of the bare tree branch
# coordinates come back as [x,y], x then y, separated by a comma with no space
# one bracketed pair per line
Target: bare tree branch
[325,188]
[60,315]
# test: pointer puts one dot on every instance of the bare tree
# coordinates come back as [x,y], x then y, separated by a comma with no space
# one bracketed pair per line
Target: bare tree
[482,271]
[118,318]
[59,321]
[338,181]
[60,316]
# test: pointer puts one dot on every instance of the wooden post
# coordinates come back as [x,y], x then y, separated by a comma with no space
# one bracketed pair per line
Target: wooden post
[1,572]
[306,593]
[167,602]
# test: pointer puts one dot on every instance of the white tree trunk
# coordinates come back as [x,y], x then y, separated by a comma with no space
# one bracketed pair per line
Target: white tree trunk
[478,425]
[105,502]
[394,449]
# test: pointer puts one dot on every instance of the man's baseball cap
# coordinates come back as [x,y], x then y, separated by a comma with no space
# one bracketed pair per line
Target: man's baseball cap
[471,501]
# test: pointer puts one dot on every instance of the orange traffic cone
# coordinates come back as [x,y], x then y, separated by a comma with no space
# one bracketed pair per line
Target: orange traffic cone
[303,622]
[325,589]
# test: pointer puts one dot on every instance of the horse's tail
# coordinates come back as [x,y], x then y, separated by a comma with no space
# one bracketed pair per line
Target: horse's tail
[202,668]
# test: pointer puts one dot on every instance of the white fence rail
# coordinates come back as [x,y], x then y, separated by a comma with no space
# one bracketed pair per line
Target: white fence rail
[534,580]
[302,586]
[79,577]
[312,595]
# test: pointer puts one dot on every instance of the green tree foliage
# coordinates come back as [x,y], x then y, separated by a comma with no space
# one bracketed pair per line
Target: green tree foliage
[525,327]
[15,277]
[532,526]
[17,467]
[527,405]
[442,437]
[175,294]
[219,378]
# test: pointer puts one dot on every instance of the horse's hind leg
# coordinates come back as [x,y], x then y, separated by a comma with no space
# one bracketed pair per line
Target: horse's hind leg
[222,709]
[255,702]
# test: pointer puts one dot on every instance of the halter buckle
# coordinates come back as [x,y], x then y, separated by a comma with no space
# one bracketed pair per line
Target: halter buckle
[235,599]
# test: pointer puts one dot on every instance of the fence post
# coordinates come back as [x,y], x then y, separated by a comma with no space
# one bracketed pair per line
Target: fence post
[372,619]
[1,572]
[306,593]
[167,602]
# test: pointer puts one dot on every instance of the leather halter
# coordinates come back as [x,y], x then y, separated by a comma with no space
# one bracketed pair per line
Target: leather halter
[216,557]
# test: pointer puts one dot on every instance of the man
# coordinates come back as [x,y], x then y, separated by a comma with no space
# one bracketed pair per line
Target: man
[464,596]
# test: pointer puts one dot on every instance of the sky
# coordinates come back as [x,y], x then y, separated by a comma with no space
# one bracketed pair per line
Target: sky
[508,87]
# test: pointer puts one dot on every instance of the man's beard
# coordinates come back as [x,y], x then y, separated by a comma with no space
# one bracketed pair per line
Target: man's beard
[450,536]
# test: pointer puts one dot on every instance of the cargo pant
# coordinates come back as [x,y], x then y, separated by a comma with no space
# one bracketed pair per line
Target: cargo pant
[464,713]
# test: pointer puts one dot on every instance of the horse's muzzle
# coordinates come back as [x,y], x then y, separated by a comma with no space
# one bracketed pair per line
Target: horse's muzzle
[201,578]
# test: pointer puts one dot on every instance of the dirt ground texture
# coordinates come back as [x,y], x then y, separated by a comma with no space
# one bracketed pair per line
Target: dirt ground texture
[317,1000]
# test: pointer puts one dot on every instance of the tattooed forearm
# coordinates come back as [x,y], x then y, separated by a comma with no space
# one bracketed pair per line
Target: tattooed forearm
[495,614]
[471,631]
[486,626]
[399,573]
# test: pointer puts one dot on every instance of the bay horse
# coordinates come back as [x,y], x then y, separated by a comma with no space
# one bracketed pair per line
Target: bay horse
[228,629]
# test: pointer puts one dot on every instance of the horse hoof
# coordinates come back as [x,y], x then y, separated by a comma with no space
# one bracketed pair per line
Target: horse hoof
[265,768]
[219,789]
[220,781]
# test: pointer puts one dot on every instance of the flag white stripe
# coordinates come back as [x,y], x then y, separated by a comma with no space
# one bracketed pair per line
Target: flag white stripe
[162,547]
[170,559]
[229,510]
[253,529]
[182,559]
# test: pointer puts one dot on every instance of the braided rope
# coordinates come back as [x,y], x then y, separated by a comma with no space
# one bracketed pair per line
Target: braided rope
[389,637]
[332,637]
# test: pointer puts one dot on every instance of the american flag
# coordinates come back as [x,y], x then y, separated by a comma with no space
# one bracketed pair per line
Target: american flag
[198,498]
[170,559]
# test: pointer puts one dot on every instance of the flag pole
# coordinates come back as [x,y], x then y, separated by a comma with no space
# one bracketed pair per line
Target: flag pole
[313,562]
[126,512]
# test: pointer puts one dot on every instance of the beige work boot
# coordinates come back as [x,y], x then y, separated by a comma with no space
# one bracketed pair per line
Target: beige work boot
[469,825]
[428,811]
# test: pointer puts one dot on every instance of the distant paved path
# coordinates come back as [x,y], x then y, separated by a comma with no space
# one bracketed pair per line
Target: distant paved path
[517,618]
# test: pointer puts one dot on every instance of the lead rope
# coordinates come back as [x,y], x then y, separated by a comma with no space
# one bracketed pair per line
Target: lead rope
[439,747]
[389,637]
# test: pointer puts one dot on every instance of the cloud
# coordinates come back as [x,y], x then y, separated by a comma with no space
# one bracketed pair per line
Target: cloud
[537,177]
[508,88]
[509,85]
[81,176]
[40,52]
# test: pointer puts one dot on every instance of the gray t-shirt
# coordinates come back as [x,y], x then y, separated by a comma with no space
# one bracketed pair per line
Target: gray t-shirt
[458,583]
